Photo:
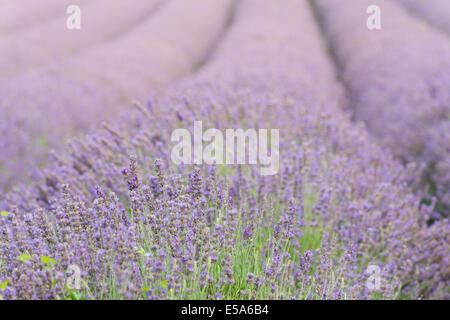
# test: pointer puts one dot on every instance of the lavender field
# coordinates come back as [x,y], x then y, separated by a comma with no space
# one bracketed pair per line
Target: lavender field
[224,149]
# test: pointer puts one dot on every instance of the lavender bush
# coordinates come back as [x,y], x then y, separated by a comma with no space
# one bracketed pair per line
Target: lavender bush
[112,75]
[398,79]
[51,41]
[140,227]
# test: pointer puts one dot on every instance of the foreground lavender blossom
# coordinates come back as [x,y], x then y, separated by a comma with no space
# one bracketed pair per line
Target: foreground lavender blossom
[139,227]
[398,77]
[436,12]
[14,17]
[40,109]
[51,41]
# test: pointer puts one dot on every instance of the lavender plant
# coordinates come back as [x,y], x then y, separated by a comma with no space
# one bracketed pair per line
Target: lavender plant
[140,227]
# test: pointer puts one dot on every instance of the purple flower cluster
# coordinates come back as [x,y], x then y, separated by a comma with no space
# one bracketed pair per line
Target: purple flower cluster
[398,78]
[138,227]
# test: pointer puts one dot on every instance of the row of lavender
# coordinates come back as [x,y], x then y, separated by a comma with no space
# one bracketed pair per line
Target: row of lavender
[101,82]
[154,230]
[51,40]
[398,79]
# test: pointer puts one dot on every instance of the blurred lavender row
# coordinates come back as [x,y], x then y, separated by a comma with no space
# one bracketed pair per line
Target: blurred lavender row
[435,12]
[398,79]
[13,16]
[42,108]
[50,41]
[139,227]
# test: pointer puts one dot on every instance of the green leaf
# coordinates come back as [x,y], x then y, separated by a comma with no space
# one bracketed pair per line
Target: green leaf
[3,285]
[68,288]
[24,257]
[43,142]
[73,295]
[4,214]
[48,260]
[146,289]
[164,283]
[141,250]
